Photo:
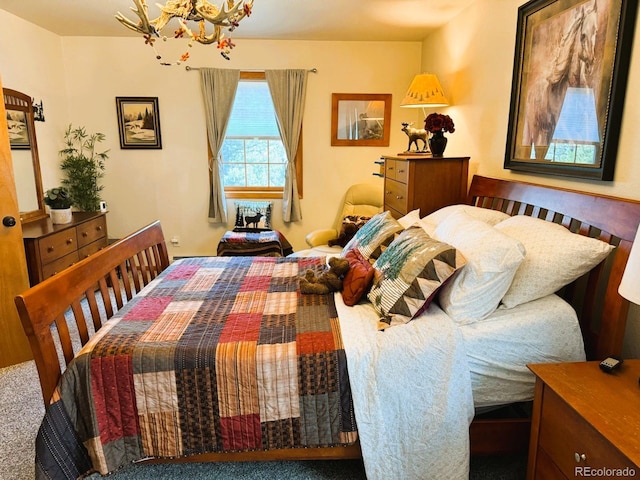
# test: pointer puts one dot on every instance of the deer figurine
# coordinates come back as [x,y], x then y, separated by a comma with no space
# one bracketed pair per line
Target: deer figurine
[414,135]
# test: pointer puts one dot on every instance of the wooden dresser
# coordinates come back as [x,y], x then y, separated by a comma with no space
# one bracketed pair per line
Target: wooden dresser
[585,423]
[424,182]
[51,248]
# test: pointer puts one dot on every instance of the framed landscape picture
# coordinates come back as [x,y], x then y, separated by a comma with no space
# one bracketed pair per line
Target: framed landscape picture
[138,122]
[19,138]
[568,88]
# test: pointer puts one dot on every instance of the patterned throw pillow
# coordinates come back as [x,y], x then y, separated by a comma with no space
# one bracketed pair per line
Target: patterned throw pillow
[378,231]
[350,225]
[408,275]
[253,215]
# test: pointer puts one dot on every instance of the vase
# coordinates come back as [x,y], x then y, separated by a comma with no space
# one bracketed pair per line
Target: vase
[437,143]
[60,215]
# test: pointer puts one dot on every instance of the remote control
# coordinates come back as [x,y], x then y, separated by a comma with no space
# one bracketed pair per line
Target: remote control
[610,364]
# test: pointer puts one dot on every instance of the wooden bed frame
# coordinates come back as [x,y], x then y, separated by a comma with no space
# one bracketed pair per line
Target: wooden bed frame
[601,310]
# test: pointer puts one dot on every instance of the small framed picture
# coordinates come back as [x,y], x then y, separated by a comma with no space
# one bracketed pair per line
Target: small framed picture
[19,137]
[139,122]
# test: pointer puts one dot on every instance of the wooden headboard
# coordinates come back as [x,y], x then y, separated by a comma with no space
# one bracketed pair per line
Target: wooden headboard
[601,310]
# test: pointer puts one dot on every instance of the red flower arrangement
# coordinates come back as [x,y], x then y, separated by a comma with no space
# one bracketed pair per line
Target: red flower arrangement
[437,122]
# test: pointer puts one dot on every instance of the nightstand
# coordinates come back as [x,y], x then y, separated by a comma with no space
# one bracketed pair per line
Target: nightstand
[424,182]
[585,422]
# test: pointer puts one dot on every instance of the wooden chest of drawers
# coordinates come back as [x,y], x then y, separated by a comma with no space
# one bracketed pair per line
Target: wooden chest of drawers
[585,422]
[51,248]
[424,182]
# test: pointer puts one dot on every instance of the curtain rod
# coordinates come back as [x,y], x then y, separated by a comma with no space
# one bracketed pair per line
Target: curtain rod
[188,69]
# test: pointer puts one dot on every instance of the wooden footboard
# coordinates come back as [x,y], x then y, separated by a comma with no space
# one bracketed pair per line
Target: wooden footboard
[121,269]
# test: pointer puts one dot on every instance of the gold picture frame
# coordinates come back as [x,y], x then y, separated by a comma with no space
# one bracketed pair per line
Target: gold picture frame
[360,119]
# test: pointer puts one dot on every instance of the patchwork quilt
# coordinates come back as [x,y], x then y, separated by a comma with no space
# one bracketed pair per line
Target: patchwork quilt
[216,354]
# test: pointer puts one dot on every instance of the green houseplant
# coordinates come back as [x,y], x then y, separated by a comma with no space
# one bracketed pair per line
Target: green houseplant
[57,198]
[83,167]
[59,201]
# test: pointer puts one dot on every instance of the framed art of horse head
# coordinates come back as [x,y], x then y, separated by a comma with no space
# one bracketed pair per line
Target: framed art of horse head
[569,80]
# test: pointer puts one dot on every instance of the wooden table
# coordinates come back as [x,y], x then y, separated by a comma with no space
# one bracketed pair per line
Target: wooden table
[585,422]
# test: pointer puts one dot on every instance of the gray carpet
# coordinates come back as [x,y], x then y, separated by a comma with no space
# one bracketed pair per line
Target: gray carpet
[21,411]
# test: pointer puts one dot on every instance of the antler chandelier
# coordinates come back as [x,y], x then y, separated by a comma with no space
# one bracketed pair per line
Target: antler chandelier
[199,11]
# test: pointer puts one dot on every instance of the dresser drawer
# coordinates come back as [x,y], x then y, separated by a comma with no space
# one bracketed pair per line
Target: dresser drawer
[571,442]
[90,249]
[52,268]
[57,245]
[91,231]
[395,195]
[396,170]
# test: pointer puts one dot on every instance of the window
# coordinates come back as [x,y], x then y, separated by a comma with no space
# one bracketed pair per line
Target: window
[253,160]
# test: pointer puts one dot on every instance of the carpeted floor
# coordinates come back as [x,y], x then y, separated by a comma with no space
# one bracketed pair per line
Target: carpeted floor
[21,411]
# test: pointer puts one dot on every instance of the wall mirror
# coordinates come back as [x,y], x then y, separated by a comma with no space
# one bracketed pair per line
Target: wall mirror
[360,119]
[24,151]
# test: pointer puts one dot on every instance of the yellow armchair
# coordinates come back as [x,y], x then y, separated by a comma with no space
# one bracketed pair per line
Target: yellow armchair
[362,199]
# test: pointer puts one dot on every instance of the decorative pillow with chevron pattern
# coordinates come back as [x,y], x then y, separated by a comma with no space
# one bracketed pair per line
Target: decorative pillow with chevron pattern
[373,235]
[409,273]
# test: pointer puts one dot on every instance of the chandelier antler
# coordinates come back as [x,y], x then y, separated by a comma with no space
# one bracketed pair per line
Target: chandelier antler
[199,11]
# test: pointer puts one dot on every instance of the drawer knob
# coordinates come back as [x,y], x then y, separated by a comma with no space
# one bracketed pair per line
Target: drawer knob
[50,249]
[388,192]
[69,241]
[401,170]
[580,457]
[99,228]
[399,197]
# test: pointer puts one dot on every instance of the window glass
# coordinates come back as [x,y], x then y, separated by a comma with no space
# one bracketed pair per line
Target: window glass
[252,153]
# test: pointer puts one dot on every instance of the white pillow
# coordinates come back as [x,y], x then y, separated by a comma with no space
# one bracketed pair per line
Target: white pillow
[487,215]
[555,257]
[410,218]
[492,260]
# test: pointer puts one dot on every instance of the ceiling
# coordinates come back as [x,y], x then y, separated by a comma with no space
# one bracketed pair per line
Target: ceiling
[370,20]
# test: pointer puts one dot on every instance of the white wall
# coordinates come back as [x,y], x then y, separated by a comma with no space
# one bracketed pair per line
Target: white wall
[171,184]
[79,78]
[473,58]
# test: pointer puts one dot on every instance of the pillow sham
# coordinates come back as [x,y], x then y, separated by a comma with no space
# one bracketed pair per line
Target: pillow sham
[555,257]
[350,225]
[492,260]
[408,275]
[410,218]
[378,231]
[357,281]
[492,217]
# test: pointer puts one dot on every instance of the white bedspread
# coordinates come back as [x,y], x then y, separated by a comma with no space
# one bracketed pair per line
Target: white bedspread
[412,394]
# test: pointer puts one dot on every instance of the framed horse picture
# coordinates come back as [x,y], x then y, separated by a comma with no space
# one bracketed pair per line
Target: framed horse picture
[568,88]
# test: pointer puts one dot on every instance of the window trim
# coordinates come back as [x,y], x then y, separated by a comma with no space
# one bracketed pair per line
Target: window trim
[263,192]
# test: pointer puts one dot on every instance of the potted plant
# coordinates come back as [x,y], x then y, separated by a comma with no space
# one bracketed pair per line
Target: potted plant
[59,202]
[83,167]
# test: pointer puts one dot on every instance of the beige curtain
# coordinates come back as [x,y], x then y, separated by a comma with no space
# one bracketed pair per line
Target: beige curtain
[288,90]
[218,91]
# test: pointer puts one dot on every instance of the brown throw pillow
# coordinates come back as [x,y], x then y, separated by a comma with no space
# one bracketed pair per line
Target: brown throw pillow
[358,279]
